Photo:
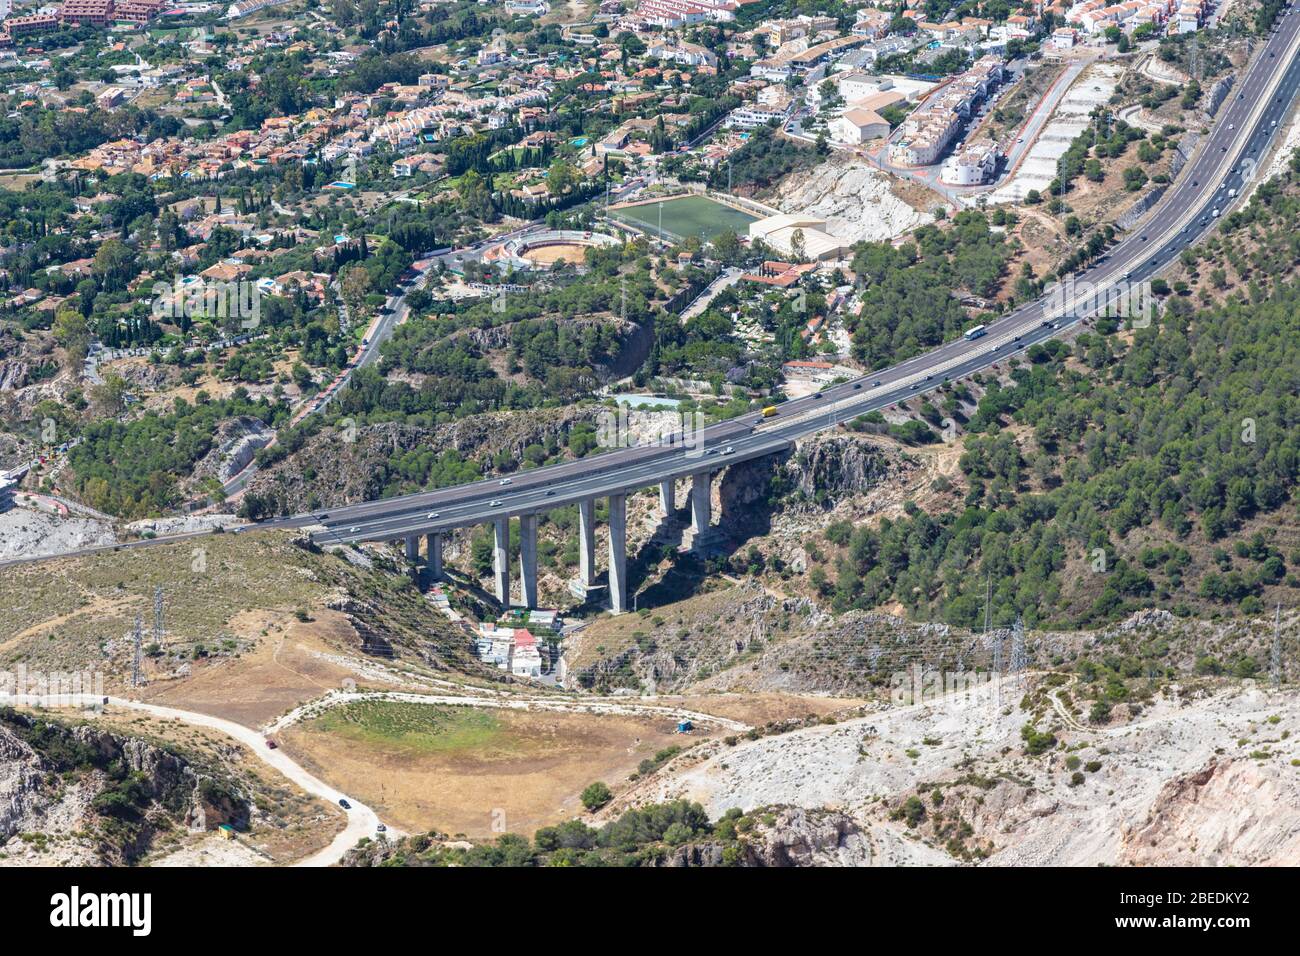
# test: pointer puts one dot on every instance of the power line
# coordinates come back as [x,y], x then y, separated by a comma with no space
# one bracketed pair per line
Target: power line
[1277,646]
[1019,656]
[158,615]
[138,637]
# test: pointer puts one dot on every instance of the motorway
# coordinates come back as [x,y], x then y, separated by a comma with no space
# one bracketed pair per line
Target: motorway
[1249,118]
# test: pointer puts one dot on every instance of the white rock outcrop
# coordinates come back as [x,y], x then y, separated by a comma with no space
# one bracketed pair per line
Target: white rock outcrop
[855,199]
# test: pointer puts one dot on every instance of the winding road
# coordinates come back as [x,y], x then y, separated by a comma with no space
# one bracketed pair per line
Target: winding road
[361,820]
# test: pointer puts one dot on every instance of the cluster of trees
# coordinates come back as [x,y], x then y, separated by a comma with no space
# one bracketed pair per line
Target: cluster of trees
[373,70]
[763,160]
[134,469]
[1101,140]
[1185,436]
[32,135]
[909,303]
[283,91]
[639,837]
[560,354]
[543,347]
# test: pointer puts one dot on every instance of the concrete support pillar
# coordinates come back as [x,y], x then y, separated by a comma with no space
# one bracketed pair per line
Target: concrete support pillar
[587,542]
[413,548]
[434,544]
[701,492]
[528,559]
[668,496]
[618,596]
[501,559]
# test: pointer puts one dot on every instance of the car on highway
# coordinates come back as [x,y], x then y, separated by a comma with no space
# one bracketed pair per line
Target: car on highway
[504,481]
[431,515]
[494,503]
[354,529]
[729,450]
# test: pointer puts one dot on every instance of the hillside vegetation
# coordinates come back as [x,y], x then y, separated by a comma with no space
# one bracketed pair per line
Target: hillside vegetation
[1163,462]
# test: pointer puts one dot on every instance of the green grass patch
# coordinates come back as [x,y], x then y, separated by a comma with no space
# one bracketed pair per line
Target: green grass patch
[419,728]
[687,216]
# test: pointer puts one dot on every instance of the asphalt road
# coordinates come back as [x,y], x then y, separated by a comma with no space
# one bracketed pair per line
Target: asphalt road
[368,355]
[1252,113]
[1254,110]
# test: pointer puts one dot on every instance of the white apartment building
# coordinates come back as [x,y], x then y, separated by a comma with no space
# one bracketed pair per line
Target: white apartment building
[927,132]
[751,117]
[973,166]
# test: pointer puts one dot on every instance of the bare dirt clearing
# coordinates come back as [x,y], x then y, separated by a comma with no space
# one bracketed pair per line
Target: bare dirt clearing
[286,666]
[466,772]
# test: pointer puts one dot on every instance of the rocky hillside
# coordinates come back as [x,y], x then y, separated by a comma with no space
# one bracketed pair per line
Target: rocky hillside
[79,612]
[749,639]
[634,343]
[83,796]
[1006,775]
[31,371]
[344,465]
[856,200]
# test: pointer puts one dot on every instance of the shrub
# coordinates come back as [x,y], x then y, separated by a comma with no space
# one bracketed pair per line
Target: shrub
[596,795]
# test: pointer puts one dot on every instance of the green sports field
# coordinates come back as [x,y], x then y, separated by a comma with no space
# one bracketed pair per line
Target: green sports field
[687,216]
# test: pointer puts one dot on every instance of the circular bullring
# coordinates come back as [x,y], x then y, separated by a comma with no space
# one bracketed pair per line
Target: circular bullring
[542,250]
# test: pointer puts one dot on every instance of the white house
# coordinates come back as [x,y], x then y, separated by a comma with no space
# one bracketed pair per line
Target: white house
[857,86]
[527,659]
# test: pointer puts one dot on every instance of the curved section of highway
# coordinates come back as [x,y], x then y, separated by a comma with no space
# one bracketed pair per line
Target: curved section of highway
[1249,118]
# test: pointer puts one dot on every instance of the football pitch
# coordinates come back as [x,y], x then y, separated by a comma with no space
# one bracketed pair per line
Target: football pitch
[686,216]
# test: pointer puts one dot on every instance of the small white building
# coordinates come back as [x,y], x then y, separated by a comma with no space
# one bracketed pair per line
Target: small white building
[792,234]
[855,126]
[527,659]
[973,166]
[858,86]
[1063,38]
[752,117]
[685,54]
